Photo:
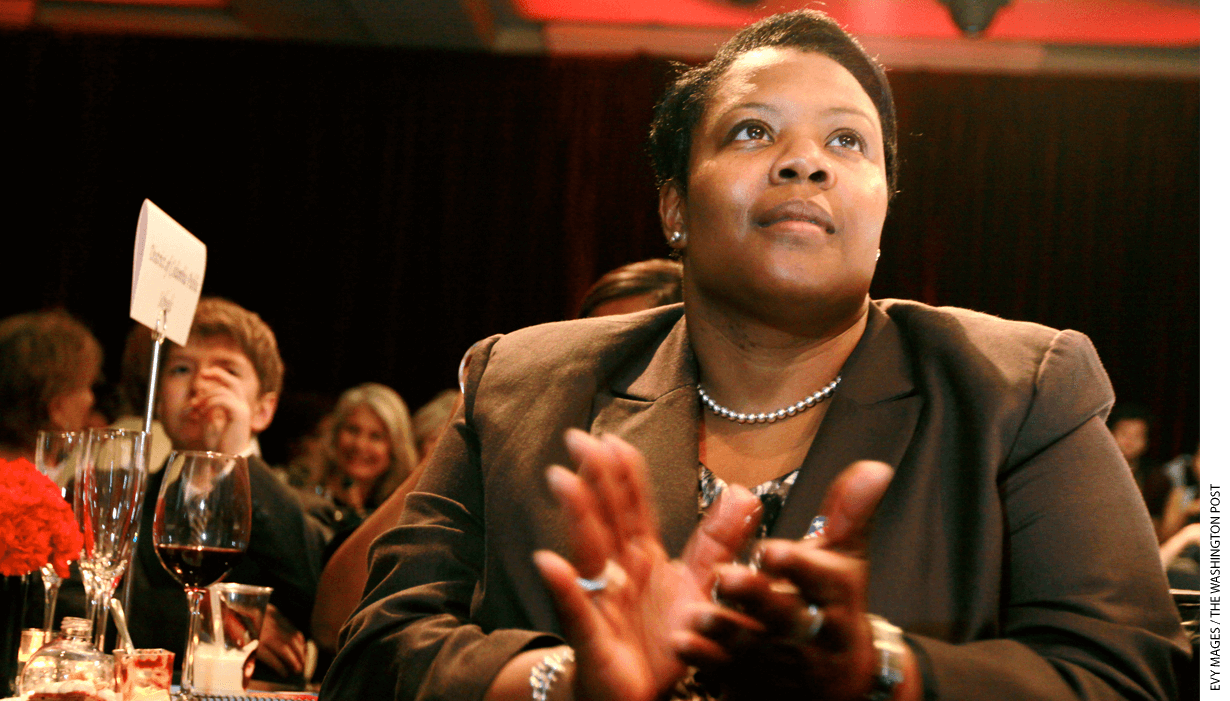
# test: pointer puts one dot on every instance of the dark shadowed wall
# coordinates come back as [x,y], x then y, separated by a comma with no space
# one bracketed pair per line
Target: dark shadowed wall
[385,209]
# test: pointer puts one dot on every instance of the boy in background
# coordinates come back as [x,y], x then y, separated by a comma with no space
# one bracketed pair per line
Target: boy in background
[217,393]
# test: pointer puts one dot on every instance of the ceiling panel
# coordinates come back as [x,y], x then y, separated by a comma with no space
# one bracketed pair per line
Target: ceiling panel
[1111,22]
[1110,36]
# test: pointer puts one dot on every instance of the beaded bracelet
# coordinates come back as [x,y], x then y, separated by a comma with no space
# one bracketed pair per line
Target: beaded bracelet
[543,675]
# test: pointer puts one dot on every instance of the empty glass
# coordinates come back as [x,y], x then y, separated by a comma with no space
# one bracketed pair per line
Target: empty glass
[55,455]
[110,484]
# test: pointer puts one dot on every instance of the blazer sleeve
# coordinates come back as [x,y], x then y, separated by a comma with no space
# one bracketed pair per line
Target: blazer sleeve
[411,636]
[279,553]
[1086,612]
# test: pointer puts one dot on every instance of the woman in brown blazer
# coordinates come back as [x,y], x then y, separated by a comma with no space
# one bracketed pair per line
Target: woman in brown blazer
[933,471]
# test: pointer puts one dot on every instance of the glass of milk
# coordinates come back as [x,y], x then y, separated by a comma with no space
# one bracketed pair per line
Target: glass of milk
[230,632]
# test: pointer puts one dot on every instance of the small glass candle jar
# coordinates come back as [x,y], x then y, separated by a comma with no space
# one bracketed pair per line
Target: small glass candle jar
[144,674]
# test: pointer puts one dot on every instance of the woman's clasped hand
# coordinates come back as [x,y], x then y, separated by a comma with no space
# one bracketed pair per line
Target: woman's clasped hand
[626,634]
[792,621]
[811,598]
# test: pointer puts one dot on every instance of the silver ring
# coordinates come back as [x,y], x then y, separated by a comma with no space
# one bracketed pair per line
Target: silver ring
[808,625]
[592,585]
[611,575]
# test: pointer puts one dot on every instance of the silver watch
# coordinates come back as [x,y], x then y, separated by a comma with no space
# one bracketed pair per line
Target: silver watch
[890,662]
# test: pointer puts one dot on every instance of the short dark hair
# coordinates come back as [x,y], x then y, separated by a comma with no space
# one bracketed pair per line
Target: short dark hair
[659,277]
[42,355]
[685,102]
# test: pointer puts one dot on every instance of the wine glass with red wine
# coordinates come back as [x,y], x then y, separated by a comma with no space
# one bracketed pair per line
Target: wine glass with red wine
[201,527]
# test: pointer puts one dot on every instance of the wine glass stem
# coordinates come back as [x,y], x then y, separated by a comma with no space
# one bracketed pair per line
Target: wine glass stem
[99,588]
[187,681]
[51,592]
[101,617]
[93,591]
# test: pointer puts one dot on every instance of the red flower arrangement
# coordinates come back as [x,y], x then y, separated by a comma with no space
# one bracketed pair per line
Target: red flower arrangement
[39,526]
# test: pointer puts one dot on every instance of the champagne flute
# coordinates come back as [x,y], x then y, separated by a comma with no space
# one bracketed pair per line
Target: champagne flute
[202,523]
[110,484]
[55,455]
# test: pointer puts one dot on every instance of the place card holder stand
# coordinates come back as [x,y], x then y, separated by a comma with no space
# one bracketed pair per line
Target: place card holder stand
[160,335]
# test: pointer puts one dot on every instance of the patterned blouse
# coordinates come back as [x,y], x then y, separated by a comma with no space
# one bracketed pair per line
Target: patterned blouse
[772,496]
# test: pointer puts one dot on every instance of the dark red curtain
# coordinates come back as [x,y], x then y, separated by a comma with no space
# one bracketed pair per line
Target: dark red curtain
[385,209]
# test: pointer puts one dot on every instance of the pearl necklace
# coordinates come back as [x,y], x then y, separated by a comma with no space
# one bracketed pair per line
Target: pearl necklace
[772,416]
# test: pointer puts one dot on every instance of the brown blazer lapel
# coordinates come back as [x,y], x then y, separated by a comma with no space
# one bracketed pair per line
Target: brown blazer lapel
[653,405]
[873,416]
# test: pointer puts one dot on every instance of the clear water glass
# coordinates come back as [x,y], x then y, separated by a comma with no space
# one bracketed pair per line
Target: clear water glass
[230,634]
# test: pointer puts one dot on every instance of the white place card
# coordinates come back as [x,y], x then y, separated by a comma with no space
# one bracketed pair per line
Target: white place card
[168,267]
